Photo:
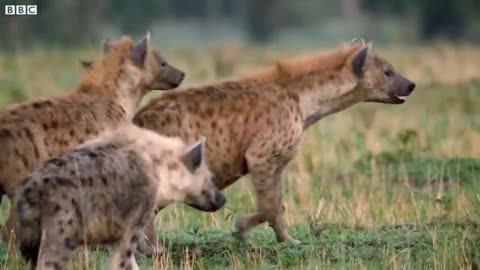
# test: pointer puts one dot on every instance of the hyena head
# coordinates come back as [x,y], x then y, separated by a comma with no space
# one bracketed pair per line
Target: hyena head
[200,191]
[156,73]
[379,78]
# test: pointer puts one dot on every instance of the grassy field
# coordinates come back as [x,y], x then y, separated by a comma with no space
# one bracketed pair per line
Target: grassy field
[375,187]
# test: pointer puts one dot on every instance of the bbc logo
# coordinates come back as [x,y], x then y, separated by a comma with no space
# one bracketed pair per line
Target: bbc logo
[20,9]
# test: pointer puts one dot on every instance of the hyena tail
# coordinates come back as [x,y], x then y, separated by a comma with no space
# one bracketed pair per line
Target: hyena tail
[28,232]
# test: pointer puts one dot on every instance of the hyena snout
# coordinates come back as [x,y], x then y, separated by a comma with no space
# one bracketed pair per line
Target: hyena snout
[219,201]
[167,77]
[208,201]
[411,87]
[399,88]
[402,86]
[176,76]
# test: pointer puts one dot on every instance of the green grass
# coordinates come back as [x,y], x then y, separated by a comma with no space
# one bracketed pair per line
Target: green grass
[432,243]
[331,245]
[413,246]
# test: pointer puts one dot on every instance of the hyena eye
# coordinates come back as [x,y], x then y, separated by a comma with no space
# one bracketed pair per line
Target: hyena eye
[388,73]
[163,64]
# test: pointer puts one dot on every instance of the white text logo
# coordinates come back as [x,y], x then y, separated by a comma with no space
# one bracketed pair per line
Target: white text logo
[20,9]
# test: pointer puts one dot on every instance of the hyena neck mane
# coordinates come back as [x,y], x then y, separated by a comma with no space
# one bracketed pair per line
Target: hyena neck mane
[323,81]
[114,77]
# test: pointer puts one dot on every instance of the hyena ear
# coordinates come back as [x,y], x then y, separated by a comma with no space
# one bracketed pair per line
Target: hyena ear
[355,41]
[86,64]
[140,50]
[107,45]
[359,62]
[194,157]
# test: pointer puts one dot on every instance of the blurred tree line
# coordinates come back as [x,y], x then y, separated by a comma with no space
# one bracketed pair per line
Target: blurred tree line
[448,18]
[72,22]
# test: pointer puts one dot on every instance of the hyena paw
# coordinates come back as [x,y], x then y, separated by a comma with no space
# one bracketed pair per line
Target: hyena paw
[290,240]
[294,241]
[241,226]
[158,250]
[150,250]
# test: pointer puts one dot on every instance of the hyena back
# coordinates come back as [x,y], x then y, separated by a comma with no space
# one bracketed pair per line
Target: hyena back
[105,191]
[255,124]
[108,94]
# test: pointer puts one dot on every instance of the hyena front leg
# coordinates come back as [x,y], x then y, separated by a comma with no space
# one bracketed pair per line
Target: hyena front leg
[268,186]
[148,243]
[122,256]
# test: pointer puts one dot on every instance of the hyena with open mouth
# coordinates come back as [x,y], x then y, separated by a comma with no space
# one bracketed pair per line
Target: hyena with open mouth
[255,125]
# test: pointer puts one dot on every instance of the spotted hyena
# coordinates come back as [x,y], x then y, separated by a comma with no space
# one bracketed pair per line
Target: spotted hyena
[255,124]
[107,95]
[104,191]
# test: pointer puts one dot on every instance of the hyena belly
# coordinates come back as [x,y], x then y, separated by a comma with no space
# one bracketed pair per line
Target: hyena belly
[231,116]
[88,196]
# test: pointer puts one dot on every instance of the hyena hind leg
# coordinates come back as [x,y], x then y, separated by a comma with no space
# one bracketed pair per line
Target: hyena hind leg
[123,253]
[148,243]
[55,254]
[269,193]
[59,240]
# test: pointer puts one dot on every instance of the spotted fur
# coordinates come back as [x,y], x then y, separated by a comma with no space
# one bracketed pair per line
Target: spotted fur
[107,95]
[105,191]
[255,124]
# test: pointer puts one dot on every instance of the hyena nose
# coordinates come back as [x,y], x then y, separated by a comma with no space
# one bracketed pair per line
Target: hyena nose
[182,75]
[219,199]
[411,87]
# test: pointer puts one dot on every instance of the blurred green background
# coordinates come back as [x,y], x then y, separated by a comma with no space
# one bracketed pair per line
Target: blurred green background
[374,187]
[189,23]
